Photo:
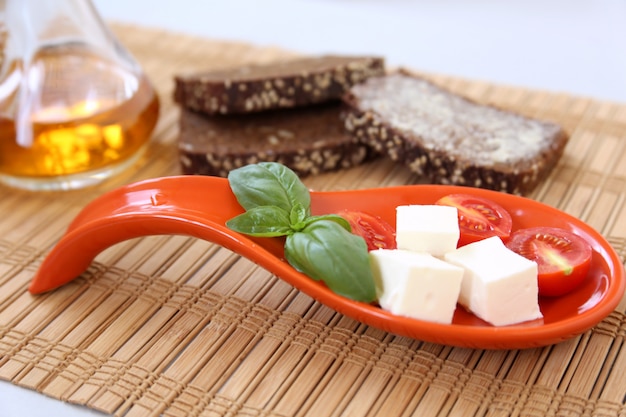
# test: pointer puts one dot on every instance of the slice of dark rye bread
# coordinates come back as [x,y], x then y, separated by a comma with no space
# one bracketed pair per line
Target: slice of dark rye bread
[284,84]
[309,140]
[448,139]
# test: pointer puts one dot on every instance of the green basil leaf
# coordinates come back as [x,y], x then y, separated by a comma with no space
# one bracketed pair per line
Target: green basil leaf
[263,221]
[268,184]
[328,252]
[298,217]
[332,217]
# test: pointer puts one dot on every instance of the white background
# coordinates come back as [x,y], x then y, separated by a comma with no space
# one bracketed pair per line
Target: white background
[574,46]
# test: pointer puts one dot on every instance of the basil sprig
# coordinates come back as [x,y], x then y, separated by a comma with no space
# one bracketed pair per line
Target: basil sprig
[277,203]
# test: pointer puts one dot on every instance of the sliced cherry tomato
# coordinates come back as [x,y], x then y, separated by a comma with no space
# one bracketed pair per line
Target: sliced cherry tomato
[479,218]
[378,234]
[563,258]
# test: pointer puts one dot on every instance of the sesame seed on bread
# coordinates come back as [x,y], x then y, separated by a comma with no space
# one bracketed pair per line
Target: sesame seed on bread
[284,84]
[448,139]
[309,140]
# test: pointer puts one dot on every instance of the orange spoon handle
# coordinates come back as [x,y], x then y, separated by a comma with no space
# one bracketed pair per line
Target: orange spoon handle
[188,205]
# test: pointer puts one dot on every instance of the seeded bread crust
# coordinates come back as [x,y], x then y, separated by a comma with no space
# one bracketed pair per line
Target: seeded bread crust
[287,84]
[308,140]
[448,139]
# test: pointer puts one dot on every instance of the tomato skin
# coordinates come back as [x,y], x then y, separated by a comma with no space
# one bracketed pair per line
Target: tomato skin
[563,258]
[378,234]
[479,218]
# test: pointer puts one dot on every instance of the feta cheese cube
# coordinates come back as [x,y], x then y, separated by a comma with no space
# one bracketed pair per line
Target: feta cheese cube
[416,285]
[427,228]
[499,286]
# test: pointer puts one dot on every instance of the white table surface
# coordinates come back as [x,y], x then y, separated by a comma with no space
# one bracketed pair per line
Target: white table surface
[572,46]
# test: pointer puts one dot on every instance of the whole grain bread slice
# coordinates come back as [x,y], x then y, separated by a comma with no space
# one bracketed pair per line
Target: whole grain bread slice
[284,84]
[308,140]
[448,139]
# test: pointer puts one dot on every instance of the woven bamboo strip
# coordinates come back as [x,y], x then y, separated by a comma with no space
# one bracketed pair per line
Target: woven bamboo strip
[133,314]
[154,344]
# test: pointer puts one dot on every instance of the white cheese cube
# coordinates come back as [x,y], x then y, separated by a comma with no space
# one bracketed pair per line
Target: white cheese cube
[416,285]
[427,228]
[499,286]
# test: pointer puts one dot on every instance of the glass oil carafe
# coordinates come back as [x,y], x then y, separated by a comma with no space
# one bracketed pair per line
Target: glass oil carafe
[75,107]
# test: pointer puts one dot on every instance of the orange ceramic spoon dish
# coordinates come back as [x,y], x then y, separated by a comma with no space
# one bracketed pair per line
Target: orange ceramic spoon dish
[199,206]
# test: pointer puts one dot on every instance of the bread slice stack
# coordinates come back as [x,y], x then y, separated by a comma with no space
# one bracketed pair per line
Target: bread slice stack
[287,112]
[325,113]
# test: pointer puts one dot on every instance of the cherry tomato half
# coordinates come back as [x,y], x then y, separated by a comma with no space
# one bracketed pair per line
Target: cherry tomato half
[563,258]
[479,218]
[378,234]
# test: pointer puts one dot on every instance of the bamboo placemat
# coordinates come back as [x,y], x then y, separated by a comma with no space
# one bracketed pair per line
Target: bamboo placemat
[174,326]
